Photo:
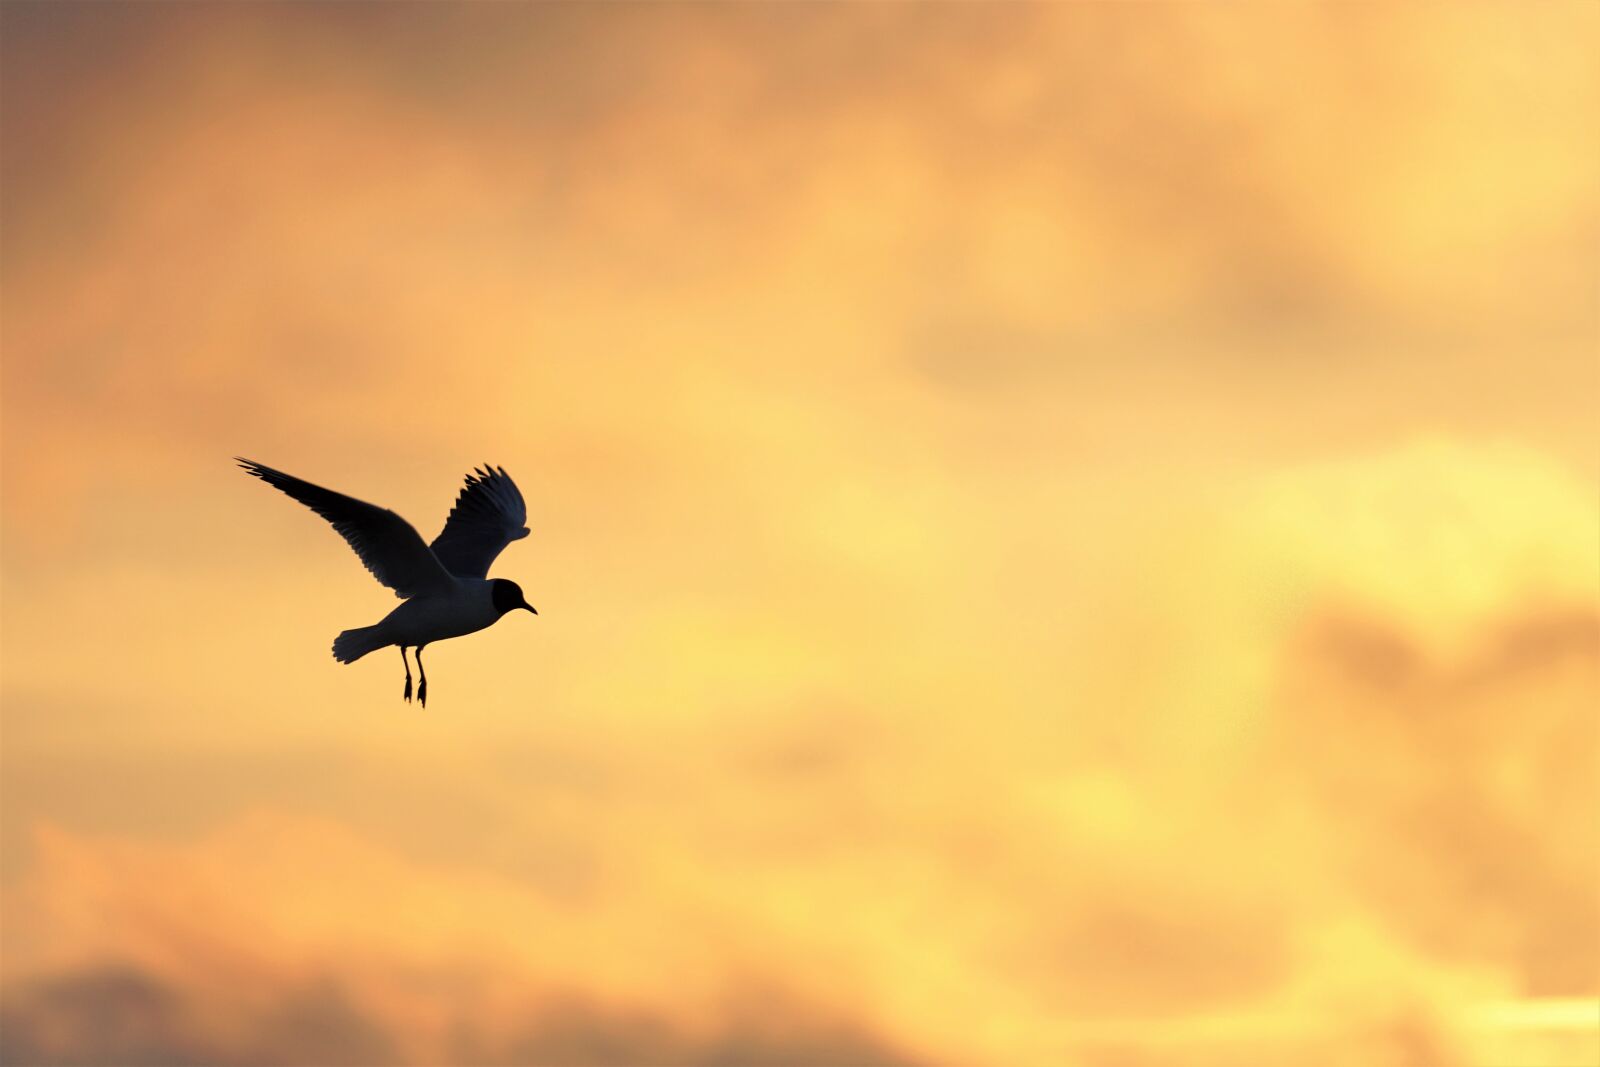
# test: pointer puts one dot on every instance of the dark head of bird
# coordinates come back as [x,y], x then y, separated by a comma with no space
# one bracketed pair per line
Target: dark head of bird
[508,596]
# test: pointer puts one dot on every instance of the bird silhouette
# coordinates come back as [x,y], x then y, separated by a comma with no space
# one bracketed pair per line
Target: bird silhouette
[445,586]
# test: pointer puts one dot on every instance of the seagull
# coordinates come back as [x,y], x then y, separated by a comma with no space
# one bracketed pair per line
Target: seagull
[445,586]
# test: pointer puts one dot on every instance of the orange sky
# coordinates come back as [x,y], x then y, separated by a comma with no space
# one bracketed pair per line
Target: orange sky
[1064,535]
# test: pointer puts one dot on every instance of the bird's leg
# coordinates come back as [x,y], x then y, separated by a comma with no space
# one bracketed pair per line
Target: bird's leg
[422,686]
[408,671]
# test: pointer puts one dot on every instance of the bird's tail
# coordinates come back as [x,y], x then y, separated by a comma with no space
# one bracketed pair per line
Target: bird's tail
[353,644]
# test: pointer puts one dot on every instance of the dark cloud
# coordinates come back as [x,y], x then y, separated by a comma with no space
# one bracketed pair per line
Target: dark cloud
[319,1026]
[578,1034]
[99,1018]
[119,1016]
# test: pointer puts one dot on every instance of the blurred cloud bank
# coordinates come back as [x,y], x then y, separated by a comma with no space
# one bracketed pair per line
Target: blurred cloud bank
[1064,534]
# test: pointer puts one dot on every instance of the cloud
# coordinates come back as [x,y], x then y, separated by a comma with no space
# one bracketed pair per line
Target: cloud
[1337,808]
[1065,538]
[125,1016]
[204,249]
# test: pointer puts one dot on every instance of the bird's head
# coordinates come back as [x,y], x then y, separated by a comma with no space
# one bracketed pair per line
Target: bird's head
[508,596]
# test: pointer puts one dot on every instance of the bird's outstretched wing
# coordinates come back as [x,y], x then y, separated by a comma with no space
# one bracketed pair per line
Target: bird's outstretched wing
[390,546]
[489,514]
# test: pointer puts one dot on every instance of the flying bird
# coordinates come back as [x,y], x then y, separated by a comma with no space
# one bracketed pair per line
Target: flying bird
[445,586]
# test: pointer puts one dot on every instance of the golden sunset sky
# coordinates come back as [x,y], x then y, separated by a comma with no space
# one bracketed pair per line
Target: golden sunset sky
[1065,535]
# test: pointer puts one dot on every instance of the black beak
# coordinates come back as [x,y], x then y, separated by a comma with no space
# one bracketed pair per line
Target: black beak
[529,607]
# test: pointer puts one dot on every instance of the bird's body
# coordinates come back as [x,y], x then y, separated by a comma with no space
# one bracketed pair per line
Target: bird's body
[465,607]
[444,586]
